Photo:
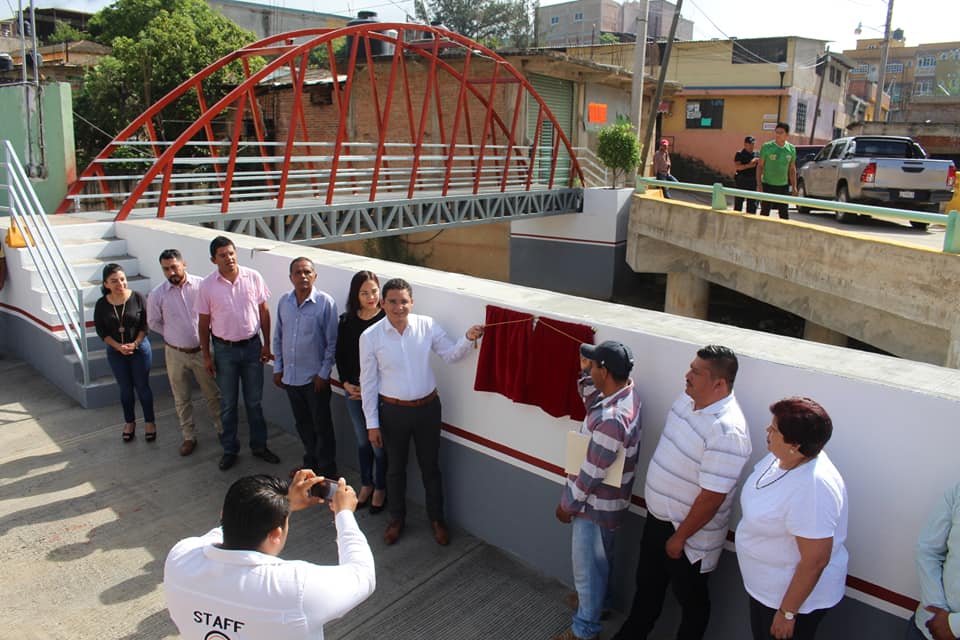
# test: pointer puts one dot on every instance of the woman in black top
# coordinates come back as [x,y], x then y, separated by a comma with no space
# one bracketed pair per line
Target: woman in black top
[363,310]
[120,317]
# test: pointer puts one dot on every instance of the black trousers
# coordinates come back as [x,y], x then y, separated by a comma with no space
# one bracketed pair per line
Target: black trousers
[738,200]
[399,425]
[655,572]
[804,625]
[311,411]
[781,207]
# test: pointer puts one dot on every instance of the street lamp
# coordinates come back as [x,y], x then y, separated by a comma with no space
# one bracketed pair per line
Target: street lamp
[782,68]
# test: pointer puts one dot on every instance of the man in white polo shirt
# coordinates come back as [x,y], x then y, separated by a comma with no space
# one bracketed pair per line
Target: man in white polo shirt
[230,584]
[689,492]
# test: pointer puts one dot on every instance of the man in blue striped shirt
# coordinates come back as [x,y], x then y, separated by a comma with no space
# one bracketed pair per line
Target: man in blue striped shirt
[596,509]
[304,343]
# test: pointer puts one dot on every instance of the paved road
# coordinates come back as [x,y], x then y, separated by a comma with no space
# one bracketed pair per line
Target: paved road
[932,238]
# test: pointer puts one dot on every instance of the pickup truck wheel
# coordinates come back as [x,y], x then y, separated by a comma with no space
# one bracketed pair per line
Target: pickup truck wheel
[802,193]
[844,196]
[916,224]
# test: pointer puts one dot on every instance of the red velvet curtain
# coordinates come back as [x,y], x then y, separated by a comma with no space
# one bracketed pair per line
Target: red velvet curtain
[532,365]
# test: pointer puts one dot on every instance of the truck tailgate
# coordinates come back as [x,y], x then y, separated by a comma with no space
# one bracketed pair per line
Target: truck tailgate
[895,173]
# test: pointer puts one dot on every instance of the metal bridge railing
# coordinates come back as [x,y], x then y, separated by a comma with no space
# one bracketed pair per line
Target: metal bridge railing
[56,274]
[354,171]
[951,238]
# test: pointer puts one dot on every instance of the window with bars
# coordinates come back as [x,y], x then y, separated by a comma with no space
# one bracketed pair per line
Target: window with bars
[801,117]
[927,62]
[895,67]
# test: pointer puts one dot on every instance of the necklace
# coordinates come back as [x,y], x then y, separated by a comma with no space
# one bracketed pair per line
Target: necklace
[775,480]
[119,317]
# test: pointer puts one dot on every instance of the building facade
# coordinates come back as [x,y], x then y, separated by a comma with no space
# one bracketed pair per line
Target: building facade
[582,22]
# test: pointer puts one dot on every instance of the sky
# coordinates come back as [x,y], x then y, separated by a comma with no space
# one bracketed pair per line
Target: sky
[923,21]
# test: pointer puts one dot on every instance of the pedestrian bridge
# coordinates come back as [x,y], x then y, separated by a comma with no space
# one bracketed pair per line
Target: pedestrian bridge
[469,141]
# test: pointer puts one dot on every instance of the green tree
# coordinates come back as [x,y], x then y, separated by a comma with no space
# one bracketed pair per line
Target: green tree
[157,44]
[495,23]
[617,149]
[63,32]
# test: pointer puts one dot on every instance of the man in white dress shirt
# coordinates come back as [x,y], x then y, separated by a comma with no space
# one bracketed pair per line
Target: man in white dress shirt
[230,584]
[170,313]
[400,400]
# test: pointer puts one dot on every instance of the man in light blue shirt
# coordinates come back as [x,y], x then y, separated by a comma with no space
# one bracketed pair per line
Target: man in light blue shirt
[304,344]
[938,562]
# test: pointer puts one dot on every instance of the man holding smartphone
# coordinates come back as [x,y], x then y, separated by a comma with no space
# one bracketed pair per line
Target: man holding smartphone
[230,583]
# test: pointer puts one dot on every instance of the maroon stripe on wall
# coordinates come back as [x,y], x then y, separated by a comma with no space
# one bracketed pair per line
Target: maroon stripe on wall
[869,588]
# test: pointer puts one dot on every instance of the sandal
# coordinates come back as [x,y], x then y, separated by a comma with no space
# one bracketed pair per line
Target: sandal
[129,435]
[148,435]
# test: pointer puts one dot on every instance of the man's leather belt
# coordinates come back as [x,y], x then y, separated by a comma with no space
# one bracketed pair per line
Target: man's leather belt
[236,343]
[184,349]
[427,399]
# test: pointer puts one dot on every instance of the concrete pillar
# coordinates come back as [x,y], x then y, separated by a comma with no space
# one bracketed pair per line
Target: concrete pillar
[819,333]
[687,295]
[953,349]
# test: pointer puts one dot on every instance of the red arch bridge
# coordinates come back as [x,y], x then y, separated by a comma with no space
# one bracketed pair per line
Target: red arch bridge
[414,128]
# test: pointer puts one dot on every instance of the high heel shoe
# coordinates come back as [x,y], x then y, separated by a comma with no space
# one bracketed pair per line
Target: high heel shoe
[129,435]
[150,436]
[377,508]
[368,490]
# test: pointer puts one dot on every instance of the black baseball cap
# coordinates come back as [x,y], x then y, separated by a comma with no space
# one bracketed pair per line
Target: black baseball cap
[749,139]
[611,355]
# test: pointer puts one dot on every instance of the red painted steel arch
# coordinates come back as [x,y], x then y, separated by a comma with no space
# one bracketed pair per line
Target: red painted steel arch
[462,158]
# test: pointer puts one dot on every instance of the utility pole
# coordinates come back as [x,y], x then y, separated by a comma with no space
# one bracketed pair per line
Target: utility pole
[884,55]
[658,95]
[639,67]
[824,66]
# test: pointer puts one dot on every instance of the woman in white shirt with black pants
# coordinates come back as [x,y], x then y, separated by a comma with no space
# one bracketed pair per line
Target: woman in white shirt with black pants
[790,538]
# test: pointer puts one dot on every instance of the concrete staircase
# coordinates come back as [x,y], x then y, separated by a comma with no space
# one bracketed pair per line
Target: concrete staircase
[88,247]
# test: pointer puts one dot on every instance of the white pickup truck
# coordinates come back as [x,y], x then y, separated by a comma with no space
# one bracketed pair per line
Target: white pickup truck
[886,171]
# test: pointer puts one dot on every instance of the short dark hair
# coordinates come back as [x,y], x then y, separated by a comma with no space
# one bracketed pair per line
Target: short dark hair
[170,254]
[396,283]
[803,422]
[357,281]
[784,126]
[253,507]
[218,242]
[108,270]
[722,360]
[301,259]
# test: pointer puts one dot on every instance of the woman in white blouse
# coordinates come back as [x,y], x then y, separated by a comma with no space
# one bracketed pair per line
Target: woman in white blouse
[790,538]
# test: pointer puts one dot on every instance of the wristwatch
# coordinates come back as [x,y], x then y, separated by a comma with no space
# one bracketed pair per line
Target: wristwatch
[787,615]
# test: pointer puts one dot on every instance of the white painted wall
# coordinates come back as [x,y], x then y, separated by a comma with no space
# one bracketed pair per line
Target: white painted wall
[604,219]
[895,438]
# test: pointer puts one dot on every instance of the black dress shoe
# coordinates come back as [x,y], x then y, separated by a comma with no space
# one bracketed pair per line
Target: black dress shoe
[266,455]
[227,461]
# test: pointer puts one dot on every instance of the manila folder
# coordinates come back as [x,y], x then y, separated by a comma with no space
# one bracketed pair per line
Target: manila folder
[577,452]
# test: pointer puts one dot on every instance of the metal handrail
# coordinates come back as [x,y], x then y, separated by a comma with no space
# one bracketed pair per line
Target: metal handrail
[590,164]
[56,274]
[951,238]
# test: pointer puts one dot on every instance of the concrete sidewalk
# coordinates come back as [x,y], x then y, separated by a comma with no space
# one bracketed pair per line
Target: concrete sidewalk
[86,522]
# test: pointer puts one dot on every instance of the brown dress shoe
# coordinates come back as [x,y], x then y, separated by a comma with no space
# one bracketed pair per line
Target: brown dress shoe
[440,532]
[394,529]
[187,447]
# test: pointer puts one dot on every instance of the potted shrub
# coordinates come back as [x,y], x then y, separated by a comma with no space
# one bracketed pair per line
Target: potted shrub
[617,149]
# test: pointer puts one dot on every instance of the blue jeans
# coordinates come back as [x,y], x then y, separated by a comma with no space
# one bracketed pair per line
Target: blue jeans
[373,460]
[592,555]
[666,176]
[236,365]
[133,374]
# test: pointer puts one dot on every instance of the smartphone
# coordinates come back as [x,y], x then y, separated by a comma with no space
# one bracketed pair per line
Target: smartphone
[326,489]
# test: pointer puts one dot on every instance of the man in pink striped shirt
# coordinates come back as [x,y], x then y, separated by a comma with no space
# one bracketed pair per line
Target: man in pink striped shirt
[233,311]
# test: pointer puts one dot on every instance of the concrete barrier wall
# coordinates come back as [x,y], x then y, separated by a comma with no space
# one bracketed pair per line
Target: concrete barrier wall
[895,421]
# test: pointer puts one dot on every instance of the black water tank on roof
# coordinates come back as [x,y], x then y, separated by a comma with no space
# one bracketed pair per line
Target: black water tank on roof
[377,47]
[6,62]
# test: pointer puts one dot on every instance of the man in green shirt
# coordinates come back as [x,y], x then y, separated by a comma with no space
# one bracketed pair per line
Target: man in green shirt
[777,170]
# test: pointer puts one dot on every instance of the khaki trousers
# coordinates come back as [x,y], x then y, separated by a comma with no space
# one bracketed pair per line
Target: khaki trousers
[179,367]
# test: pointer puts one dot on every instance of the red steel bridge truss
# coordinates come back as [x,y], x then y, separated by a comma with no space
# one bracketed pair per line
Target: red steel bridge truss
[423,129]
